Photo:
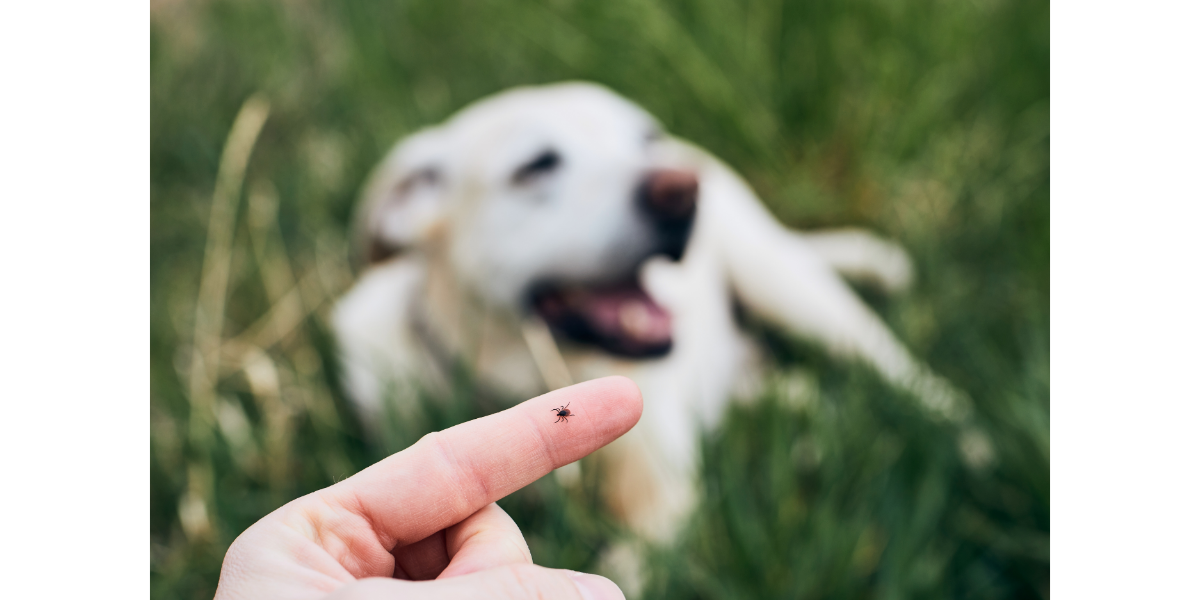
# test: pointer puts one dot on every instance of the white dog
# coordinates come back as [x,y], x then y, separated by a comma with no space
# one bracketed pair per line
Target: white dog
[554,234]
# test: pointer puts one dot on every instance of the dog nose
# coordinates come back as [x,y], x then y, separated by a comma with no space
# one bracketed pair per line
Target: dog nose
[670,195]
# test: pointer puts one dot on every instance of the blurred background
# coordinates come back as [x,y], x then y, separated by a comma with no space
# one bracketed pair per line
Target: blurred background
[925,120]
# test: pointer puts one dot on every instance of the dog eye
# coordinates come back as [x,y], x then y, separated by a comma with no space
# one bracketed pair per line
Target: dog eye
[542,164]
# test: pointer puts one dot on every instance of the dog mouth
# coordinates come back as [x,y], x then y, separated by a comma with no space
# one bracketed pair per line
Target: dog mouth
[620,318]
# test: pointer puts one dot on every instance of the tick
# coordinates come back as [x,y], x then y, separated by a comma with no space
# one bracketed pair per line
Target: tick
[562,412]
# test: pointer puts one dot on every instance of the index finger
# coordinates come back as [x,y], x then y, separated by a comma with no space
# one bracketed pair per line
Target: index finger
[447,476]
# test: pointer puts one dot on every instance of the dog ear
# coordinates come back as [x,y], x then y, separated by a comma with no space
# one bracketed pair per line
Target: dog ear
[405,196]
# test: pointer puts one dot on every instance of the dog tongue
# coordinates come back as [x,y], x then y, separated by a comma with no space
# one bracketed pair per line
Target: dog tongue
[627,313]
[622,318]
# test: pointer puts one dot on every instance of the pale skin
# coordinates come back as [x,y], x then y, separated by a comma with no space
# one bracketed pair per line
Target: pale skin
[423,522]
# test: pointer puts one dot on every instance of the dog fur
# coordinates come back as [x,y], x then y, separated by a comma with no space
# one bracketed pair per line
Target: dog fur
[462,221]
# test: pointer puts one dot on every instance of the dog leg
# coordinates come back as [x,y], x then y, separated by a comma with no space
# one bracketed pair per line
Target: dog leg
[859,255]
[780,276]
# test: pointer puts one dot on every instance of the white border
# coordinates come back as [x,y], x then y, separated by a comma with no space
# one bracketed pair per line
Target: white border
[74,259]
[1125,212]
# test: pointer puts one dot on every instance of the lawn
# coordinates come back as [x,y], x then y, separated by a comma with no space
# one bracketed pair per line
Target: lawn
[925,120]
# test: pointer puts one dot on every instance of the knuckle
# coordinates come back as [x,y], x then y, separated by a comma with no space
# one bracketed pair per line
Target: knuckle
[529,582]
[518,549]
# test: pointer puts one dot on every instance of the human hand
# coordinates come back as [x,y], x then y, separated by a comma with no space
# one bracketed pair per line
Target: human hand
[423,522]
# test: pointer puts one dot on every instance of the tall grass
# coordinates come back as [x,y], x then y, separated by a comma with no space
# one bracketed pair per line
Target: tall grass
[923,119]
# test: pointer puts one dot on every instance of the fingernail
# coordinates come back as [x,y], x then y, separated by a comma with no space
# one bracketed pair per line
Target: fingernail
[595,587]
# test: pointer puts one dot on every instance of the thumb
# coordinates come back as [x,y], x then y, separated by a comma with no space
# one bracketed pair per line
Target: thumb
[513,582]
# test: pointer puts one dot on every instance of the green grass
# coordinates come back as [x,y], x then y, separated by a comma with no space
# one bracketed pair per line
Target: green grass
[922,119]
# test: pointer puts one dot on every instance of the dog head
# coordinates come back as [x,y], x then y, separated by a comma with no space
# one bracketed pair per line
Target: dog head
[543,200]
